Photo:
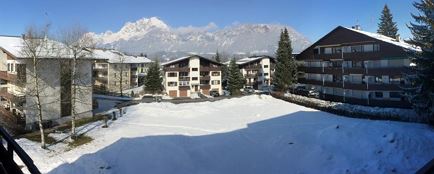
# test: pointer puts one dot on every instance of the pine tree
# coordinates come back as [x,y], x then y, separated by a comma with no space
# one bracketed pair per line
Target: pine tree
[421,90]
[217,57]
[235,78]
[386,26]
[153,78]
[286,68]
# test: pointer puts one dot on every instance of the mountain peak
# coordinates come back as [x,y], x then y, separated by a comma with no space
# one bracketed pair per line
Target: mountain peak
[152,35]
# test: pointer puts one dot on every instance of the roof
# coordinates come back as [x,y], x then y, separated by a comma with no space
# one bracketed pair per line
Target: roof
[250,59]
[376,36]
[14,45]
[114,56]
[187,57]
[390,40]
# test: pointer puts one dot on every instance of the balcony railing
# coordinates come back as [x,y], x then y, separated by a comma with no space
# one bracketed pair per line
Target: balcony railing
[184,78]
[7,155]
[209,68]
[6,76]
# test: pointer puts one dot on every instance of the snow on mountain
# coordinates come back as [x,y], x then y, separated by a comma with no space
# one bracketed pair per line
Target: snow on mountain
[153,36]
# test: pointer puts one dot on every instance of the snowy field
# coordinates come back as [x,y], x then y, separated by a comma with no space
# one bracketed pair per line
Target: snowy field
[252,134]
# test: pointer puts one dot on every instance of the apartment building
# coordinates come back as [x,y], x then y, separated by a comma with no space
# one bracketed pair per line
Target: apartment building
[17,87]
[354,66]
[191,74]
[114,67]
[257,70]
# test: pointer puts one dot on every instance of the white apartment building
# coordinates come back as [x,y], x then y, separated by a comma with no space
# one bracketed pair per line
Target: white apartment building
[17,76]
[191,74]
[257,70]
[114,67]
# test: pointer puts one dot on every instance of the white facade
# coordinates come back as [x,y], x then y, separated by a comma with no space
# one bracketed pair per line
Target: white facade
[257,70]
[193,74]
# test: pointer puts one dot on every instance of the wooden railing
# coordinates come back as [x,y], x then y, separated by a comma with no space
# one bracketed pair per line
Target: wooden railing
[7,163]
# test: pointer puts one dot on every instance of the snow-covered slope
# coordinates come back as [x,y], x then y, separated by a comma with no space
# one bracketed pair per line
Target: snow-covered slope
[251,134]
[153,36]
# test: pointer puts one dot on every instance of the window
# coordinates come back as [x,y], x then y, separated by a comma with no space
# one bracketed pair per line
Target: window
[115,75]
[396,79]
[126,74]
[376,47]
[378,94]
[194,69]
[358,64]
[115,66]
[265,66]
[346,49]
[395,95]
[172,66]
[9,67]
[378,79]
[194,78]
[356,48]
[183,74]
[171,74]
[215,82]
[265,74]
[171,83]
[184,83]
[337,50]
[327,50]
[204,82]
[368,48]
[215,73]
[316,51]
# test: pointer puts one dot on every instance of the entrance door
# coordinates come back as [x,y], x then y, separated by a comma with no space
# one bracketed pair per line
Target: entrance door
[196,88]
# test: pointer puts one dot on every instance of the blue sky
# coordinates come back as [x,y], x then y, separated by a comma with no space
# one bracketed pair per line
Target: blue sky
[312,18]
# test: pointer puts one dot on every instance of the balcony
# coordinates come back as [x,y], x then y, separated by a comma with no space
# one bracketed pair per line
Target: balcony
[310,81]
[385,71]
[355,86]
[205,78]
[4,93]
[6,76]
[210,68]
[316,70]
[252,67]
[100,67]
[357,70]
[205,86]
[333,70]
[180,69]
[391,87]
[252,75]
[184,78]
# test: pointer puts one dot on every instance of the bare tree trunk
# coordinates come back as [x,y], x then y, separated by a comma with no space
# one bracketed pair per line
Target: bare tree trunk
[38,103]
[74,97]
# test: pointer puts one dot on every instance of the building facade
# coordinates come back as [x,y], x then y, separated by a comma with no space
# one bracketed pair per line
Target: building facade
[191,74]
[17,85]
[354,66]
[257,70]
[114,67]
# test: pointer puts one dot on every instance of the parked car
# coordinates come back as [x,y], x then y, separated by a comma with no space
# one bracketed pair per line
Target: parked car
[248,90]
[313,93]
[300,90]
[226,93]
[214,93]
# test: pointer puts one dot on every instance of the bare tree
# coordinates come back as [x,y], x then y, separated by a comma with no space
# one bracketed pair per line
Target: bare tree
[36,47]
[77,44]
[121,62]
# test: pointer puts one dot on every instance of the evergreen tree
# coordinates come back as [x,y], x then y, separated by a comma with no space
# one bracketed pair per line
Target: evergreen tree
[235,78]
[421,80]
[386,26]
[153,78]
[217,57]
[286,68]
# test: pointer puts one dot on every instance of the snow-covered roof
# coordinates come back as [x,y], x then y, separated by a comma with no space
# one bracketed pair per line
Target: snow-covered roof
[390,40]
[175,60]
[186,57]
[114,56]
[248,59]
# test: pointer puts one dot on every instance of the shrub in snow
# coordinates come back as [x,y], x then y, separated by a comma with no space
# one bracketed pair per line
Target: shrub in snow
[351,110]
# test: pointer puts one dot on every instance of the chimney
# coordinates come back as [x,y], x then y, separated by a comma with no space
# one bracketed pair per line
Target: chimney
[357,27]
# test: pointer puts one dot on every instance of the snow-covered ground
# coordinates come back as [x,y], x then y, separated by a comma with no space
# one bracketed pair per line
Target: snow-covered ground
[252,134]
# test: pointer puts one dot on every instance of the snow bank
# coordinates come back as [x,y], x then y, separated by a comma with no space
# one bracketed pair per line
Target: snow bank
[251,134]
